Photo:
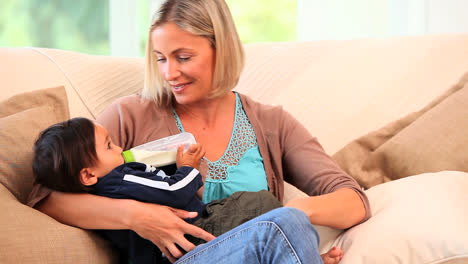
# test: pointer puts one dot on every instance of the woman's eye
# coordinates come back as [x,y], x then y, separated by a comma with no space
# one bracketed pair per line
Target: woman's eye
[160,58]
[184,58]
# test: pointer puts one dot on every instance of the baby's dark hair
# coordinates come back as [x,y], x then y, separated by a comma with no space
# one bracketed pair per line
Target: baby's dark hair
[62,151]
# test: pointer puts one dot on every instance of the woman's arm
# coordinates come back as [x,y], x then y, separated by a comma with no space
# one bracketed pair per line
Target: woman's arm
[86,211]
[336,199]
[162,225]
[340,209]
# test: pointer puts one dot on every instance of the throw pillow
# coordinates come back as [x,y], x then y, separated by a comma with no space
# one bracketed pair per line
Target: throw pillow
[418,219]
[430,140]
[22,118]
[436,141]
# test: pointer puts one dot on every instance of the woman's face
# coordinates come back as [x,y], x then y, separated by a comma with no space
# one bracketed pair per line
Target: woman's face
[186,62]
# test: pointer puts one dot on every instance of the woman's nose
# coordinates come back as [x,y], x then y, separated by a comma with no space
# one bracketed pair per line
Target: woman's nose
[171,71]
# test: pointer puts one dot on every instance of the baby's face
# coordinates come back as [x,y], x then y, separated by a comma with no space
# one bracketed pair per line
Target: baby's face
[109,155]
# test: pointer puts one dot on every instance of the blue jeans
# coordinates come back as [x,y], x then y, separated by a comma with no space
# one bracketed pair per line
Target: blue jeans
[283,235]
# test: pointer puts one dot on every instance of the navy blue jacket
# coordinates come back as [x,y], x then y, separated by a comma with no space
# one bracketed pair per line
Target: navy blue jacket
[145,183]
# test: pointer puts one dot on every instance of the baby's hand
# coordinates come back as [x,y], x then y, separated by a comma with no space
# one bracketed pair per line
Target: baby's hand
[192,157]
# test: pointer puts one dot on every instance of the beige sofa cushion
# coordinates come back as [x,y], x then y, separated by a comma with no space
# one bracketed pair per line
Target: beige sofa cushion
[430,140]
[410,223]
[22,118]
[419,219]
[29,236]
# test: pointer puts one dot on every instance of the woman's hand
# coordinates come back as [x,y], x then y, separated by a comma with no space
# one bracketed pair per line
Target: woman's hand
[165,227]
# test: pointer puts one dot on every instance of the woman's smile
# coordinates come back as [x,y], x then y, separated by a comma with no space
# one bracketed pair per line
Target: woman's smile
[179,88]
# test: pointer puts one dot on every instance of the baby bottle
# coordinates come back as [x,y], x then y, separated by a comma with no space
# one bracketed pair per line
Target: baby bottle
[160,152]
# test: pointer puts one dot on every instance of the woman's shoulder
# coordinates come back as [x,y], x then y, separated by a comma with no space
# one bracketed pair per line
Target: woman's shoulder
[252,104]
[130,107]
[132,100]
[131,120]
[266,114]
[135,103]
[261,110]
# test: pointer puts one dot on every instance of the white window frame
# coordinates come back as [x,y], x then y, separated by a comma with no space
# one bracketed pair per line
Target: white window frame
[124,35]
[123,28]
[344,19]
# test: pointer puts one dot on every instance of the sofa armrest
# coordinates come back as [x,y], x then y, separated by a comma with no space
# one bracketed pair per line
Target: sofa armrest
[29,236]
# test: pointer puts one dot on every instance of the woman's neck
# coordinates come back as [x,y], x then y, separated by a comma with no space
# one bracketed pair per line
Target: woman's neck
[208,111]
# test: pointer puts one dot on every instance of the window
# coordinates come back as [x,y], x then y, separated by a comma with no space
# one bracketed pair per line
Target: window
[119,27]
[72,25]
[264,20]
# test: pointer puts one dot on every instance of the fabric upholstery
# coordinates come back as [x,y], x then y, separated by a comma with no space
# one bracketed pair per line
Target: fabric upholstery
[22,117]
[98,80]
[419,219]
[341,90]
[410,223]
[430,140]
[29,236]
[27,69]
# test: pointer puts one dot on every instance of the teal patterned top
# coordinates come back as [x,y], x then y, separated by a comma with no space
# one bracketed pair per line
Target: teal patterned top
[241,166]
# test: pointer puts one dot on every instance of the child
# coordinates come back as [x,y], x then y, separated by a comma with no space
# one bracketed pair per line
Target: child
[78,155]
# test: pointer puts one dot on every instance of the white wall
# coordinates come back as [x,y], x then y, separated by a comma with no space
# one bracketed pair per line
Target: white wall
[341,19]
[351,19]
[447,16]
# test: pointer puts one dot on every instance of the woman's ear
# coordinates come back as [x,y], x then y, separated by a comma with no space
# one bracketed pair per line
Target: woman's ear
[87,177]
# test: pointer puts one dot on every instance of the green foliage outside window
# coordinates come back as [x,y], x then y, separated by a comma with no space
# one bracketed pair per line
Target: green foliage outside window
[264,20]
[63,24]
[83,25]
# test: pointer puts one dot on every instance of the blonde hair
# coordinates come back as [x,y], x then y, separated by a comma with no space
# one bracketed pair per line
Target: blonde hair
[207,18]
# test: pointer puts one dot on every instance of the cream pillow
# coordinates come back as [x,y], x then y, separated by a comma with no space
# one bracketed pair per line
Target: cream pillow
[419,219]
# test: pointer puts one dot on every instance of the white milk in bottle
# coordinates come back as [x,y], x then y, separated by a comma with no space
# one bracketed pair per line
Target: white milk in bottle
[159,152]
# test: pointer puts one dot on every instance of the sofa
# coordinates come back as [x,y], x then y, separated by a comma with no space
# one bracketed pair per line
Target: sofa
[392,112]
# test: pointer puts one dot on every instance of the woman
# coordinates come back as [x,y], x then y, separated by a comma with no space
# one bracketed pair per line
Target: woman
[193,61]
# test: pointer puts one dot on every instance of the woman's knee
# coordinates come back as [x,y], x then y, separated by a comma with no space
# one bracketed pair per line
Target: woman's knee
[288,216]
[285,213]
[295,226]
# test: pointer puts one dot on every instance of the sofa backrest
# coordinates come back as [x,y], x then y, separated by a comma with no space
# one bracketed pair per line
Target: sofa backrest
[341,90]
[338,89]
[91,82]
